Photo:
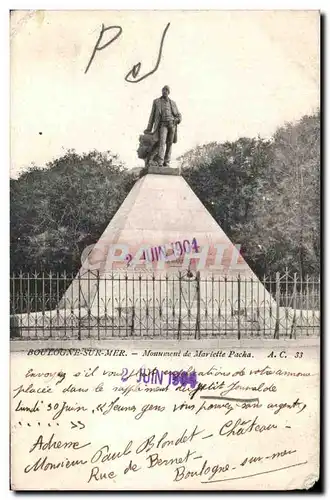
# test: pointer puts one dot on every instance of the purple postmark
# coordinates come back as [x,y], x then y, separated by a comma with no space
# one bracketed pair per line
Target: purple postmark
[160,377]
[166,252]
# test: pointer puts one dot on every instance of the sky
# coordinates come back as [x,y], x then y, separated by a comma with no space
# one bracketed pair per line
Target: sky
[231,73]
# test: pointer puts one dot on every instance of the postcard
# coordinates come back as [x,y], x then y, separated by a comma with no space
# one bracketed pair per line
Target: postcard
[165,250]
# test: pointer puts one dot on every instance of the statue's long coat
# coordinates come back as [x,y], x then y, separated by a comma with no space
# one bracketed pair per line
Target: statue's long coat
[155,116]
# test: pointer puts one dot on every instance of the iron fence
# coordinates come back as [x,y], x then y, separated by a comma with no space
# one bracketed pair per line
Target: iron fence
[185,305]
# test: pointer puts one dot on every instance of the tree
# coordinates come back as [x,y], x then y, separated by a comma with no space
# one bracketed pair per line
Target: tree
[228,178]
[265,194]
[287,216]
[57,211]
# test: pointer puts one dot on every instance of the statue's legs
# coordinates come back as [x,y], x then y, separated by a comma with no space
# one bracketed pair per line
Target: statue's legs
[169,142]
[166,135]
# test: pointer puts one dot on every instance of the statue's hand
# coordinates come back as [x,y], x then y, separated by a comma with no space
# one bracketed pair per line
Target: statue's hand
[147,131]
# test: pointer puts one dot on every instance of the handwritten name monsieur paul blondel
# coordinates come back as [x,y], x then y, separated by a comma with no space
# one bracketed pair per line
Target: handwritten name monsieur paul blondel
[177,451]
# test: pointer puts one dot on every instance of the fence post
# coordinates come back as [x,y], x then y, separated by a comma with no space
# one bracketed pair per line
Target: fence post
[180,318]
[277,319]
[294,319]
[198,315]
[225,282]
[239,307]
[58,301]
[67,302]
[36,306]
[307,304]
[263,331]
[98,302]
[43,302]
[79,306]
[71,278]
[286,301]
[50,304]
[21,305]
[133,308]
[15,323]
[319,320]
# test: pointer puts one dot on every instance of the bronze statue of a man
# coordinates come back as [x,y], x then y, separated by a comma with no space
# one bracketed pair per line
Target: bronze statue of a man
[163,122]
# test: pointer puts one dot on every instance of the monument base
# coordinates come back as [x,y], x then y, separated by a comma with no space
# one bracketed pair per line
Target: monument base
[163,170]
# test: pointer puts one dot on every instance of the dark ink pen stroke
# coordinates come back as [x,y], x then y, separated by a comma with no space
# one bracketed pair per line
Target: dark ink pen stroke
[239,400]
[136,68]
[256,474]
[103,30]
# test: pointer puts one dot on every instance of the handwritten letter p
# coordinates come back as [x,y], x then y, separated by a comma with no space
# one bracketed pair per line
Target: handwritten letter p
[101,47]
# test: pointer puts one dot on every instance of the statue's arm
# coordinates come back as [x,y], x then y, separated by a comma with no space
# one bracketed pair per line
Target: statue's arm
[178,116]
[151,118]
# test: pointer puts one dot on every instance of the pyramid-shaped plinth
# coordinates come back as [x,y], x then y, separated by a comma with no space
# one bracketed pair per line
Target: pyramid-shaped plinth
[163,245]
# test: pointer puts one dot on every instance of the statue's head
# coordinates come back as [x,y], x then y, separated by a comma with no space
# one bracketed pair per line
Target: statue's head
[165,91]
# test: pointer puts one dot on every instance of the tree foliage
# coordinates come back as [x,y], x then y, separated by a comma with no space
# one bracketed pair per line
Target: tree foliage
[287,216]
[227,178]
[265,194]
[56,212]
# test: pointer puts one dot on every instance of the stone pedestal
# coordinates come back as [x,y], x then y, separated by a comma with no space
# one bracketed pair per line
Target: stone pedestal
[163,170]
[162,215]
